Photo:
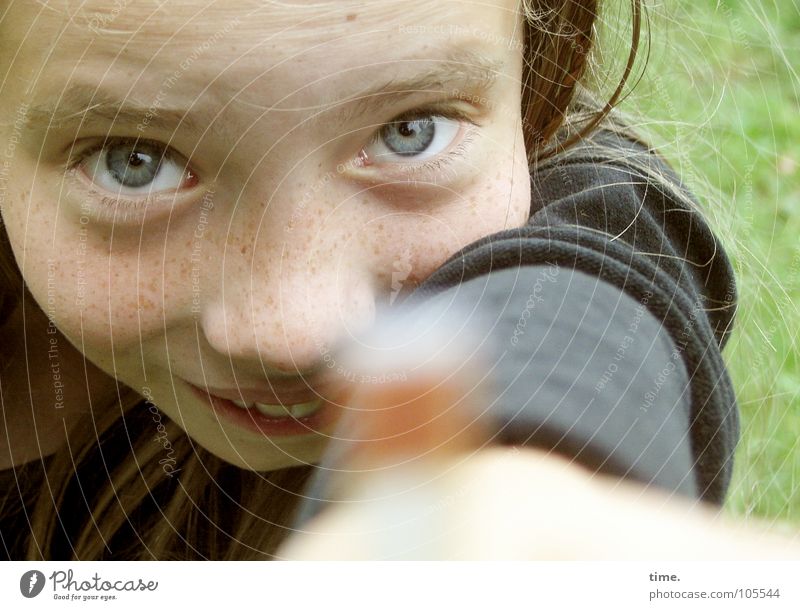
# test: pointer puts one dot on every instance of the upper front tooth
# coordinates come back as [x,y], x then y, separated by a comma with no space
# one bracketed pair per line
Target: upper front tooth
[304,409]
[272,410]
[241,404]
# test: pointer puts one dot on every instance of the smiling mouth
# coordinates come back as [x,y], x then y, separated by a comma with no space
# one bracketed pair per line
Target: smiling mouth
[290,419]
[296,411]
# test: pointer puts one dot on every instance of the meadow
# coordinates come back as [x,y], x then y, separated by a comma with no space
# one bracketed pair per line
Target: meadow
[721,97]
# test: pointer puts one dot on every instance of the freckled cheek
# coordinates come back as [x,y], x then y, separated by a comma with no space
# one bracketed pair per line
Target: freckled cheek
[419,243]
[129,294]
[503,203]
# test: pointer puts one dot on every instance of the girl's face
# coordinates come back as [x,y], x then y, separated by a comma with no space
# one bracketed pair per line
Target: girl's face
[213,194]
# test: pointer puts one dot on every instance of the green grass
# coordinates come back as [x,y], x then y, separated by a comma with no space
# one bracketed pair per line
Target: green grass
[722,96]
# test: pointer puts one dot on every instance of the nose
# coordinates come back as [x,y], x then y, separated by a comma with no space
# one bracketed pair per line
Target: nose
[287,311]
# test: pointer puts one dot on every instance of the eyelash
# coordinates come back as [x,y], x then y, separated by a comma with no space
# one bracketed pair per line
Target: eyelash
[107,142]
[112,208]
[435,165]
[443,160]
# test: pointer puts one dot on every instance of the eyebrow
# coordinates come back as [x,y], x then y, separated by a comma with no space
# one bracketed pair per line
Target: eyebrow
[81,102]
[470,70]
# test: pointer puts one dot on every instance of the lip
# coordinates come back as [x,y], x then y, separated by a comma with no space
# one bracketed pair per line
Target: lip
[275,394]
[255,421]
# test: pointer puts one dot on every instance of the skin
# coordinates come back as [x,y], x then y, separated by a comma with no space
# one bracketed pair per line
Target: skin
[299,251]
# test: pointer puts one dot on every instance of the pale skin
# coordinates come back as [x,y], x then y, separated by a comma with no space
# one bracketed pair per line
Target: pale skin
[301,243]
[273,227]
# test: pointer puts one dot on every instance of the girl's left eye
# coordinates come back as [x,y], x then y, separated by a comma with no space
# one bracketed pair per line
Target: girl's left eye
[418,136]
[136,167]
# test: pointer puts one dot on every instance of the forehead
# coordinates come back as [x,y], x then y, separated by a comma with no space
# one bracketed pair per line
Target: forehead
[299,58]
[326,34]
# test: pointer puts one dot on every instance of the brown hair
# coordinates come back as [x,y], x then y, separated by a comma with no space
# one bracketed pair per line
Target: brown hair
[255,507]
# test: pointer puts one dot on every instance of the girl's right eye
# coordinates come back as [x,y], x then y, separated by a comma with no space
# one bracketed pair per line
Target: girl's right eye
[136,167]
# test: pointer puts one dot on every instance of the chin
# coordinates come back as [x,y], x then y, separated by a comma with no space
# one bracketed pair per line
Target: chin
[263,456]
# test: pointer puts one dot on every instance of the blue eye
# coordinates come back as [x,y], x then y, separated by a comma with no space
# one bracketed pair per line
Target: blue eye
[418,137]
[406,137]
[136,167]
[133,165]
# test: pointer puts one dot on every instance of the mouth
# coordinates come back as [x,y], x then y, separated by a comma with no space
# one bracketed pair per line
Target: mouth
[312,416]
[297,411]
